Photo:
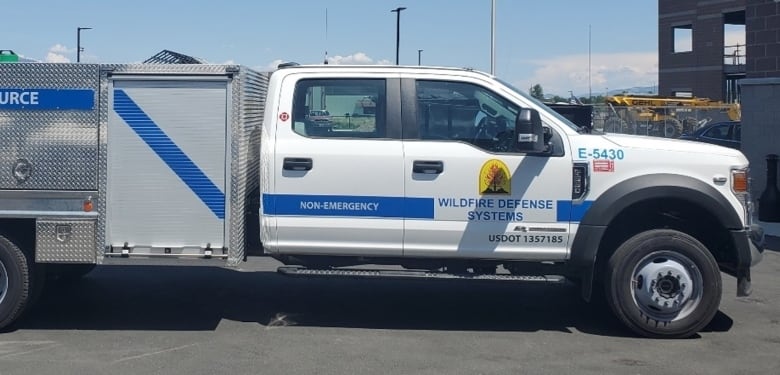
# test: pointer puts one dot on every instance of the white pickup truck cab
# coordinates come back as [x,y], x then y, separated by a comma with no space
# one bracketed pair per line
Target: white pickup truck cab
[424,172]
[454,172]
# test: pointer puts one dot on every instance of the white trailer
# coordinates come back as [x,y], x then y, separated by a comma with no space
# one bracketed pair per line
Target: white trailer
[124,161]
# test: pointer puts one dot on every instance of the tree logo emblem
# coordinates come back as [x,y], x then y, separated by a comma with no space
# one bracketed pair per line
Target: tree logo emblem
[494,178]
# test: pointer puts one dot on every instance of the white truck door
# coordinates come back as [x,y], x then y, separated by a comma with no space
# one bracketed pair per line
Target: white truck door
[488,202]
[166,164]
[338,168]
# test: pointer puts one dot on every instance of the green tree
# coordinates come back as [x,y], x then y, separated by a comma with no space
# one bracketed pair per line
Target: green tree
[536,91]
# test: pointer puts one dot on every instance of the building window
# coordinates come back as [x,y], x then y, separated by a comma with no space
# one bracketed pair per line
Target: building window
[683,38]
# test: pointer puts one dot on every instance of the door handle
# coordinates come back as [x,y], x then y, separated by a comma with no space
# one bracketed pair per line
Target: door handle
[427,166]
[297,164]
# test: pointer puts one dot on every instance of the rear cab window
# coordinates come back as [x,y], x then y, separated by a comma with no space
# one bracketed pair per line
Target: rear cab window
[339,108]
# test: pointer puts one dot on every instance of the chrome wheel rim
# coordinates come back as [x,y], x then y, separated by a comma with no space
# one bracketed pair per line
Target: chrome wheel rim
[666,286]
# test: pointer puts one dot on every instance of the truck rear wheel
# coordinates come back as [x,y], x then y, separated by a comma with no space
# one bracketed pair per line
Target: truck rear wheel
[663,284]
[14,282]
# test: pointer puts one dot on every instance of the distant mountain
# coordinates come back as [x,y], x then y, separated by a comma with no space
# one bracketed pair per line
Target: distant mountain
[642,90]
[636,90]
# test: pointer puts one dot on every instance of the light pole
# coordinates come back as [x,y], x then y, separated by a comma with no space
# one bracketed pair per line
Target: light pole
[397,31]
[419,58]
[78,42]
[493,37]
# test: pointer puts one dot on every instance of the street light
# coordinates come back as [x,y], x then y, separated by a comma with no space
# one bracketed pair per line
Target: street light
[78,42]
[493,37]
[397,30]
[419,53]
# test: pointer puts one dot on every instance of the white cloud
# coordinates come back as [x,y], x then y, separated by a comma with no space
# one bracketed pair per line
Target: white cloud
[270,66]
[23,58]
[358,58]
[57,54]
[59,48]
[561,74]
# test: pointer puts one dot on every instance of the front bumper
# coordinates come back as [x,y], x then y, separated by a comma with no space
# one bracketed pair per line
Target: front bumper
[749,244]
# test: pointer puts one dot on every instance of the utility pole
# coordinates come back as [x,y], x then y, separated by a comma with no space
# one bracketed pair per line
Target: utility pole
[419,56]
[78,42]
[493,37]
[590,89]
[397,31]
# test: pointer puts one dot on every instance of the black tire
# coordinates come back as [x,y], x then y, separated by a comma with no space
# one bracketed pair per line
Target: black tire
[15,283]
[637,298]
[690,124]
[672,128]
[68,272]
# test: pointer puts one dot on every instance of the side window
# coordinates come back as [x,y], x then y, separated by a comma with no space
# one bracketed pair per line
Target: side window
[737,132]
[717,132]
[465,112]
[339,108]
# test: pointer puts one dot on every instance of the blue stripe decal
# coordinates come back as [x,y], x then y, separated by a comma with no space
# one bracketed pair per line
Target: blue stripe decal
[348,206]
[570,212]
[171,154]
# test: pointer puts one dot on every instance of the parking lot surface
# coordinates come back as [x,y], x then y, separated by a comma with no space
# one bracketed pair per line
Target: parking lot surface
[204,320]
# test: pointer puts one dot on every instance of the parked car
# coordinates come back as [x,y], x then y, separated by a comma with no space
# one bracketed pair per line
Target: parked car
[319,116]
[727,134]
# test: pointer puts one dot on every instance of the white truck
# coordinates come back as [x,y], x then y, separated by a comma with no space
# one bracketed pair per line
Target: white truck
[440,172]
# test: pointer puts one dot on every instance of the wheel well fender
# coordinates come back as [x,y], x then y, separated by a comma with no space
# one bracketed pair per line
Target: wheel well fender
[588,242]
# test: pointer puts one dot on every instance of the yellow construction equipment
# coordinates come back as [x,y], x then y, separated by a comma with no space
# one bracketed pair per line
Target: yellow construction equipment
[664,116]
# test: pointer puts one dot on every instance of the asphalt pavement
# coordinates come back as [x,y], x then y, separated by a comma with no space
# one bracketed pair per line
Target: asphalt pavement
[206,320]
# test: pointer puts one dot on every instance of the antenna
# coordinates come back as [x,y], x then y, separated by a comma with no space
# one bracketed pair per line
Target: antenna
[590,90]
[326,37]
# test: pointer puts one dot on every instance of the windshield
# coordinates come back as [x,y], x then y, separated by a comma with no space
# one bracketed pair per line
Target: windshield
[557,115]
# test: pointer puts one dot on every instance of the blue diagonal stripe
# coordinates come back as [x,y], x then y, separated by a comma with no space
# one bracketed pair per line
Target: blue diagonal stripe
[171,154]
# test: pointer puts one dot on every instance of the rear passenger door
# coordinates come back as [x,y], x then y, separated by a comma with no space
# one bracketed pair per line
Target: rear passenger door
[338,178]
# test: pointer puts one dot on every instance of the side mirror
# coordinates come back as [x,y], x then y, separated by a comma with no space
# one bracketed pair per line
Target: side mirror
[529,132]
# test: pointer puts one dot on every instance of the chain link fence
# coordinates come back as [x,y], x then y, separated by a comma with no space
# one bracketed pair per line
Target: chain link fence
[669,121]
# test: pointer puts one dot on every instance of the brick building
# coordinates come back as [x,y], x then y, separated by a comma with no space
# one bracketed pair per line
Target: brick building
[695,57]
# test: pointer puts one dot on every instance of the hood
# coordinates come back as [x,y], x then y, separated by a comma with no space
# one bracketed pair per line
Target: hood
[668,144]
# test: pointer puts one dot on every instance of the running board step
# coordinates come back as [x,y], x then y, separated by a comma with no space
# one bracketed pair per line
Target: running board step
[413,274]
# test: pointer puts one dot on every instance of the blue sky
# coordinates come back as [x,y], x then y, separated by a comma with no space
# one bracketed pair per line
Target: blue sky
[543,41]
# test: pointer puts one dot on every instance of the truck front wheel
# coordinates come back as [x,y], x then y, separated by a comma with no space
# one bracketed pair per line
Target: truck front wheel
[14,282]
[663,283]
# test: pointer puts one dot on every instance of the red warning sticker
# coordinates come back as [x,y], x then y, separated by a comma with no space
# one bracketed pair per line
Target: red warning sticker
[603,166]
[284,116]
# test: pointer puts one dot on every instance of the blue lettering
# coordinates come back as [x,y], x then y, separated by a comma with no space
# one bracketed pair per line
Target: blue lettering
[446,202]
[582,153]
[494,216]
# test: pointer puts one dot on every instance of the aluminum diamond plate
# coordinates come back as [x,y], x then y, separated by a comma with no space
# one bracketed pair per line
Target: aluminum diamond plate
[100,238]
[61,241]
[249,91]
[60,146]
[169,68]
